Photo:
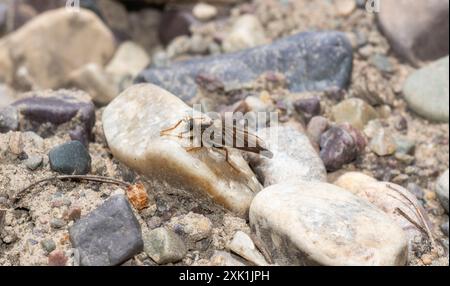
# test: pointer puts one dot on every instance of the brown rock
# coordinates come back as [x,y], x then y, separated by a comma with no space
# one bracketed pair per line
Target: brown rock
[417,31]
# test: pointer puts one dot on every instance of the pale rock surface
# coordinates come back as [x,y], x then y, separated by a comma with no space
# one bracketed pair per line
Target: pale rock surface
[294,158]
[242,245]
[132,124]
[314,223]
[77,38]
[385,198]
[247,32]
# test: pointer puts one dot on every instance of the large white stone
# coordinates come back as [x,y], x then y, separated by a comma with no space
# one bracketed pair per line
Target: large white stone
[316,223]
[132,124]
[387,197]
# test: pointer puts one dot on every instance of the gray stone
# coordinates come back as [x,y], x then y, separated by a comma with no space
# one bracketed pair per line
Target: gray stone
[427,91]
[9,119]
[164,246]
[309,61]
[48,245]
[70,158]
[382,63]
[57,223]
[442,189]
[109,235]
[444,227]
[315,223]
[294,158]
[33,162]
[404,145]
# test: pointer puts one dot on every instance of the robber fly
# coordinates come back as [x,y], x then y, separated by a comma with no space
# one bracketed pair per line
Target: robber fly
[231,137]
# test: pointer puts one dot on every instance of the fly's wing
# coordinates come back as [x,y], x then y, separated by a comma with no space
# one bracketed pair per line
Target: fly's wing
[244,140]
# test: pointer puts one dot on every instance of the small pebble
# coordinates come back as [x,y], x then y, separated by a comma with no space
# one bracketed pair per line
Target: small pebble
[70,158]
[33,162]
[444,227]
[48,245]
[57,258]
[57,223]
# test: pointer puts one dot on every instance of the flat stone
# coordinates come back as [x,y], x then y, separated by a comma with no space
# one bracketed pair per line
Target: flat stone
[109,235]
[316,223]
[427,91]
[164,246]
[309,61]
[242,245]
[132,124]
[51,107]
[70,158]
[355,111]
[442,188]
[294,158]
[384,197]
[48,66]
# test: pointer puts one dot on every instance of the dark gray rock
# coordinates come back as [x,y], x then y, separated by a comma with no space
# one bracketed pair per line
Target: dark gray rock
[57,223]
[43,111]
[309,61]
[337,148]
[70,158]
[109,235]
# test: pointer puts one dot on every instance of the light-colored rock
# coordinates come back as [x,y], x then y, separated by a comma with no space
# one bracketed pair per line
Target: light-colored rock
[93,79]
[7,95]
[242,245]
[247,32]
[316,223]
[354,111]
[164,246]
[427,91]
[128,61]
[442,188]
[418,32]
[132,124]
[52,45]
[345,7]
[388,199]
[294,157]
[382,143]
[204,12]
[222,258]
[195,226]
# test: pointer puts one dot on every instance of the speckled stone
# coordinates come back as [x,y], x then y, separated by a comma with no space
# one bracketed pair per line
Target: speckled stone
[70,158]
[315,223]
[309,61]
[109,235]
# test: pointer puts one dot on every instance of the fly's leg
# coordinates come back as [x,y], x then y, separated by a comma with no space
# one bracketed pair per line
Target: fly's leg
[164,132]
[227,157]
[192,149]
